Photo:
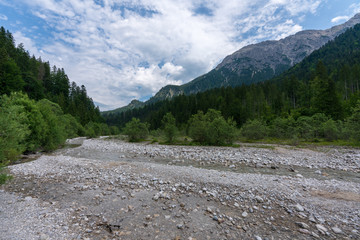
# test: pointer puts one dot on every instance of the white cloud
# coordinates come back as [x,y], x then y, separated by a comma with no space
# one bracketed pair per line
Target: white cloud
[353,9]
[3,17]
[340,19]
[120,54]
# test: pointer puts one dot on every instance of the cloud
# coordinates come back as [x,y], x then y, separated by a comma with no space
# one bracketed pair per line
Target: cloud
[353,9]
[3,17]
[340,19]
[122,50]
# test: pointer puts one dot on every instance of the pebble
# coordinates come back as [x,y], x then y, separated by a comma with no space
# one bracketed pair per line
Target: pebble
[323,230]
[244,214]
[336,230]
[302,225]
[258,238]
[299,208]
[259,199]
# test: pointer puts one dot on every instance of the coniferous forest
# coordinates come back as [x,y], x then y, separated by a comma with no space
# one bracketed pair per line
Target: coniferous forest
[316,99]
[39,106]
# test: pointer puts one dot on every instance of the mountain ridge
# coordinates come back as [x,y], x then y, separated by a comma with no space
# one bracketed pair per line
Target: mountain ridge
[256,62]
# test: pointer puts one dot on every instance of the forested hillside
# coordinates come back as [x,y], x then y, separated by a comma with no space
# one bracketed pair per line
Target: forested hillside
[39,107]
[324,85]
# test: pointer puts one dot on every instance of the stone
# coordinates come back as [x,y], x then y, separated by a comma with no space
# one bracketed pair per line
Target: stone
[259,199]
[299,208]
[336,230]
[28,198]
[236,204]
[323,230]
[244,214]
[302,225]
[258,238]
[304,231]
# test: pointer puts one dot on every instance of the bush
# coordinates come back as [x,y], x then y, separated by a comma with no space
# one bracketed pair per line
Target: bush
[55,134]
[254,130]
[352,124]
[283,128]
[331,130]
[304,127]
[169,127]
[212,128]
[136,130]
[13,130]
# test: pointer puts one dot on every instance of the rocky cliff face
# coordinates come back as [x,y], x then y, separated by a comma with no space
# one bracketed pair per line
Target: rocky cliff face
[277,56]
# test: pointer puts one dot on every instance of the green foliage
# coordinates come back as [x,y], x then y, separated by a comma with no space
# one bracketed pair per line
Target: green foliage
[33,119]
[331,130]
[13,130]
[55,134]
[211,128]
[169,127]
[353,123]
[136,130]
[283,128]
[254,130]
[3,175]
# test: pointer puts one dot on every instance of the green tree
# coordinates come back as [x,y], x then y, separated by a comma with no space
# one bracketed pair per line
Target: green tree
[136,130]
[212,128]
[352,123]
[169,127]
[254,129]
[55,134]
[13,130]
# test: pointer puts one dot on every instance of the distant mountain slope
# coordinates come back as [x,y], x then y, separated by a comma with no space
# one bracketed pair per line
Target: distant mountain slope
[257,62]
[327,81]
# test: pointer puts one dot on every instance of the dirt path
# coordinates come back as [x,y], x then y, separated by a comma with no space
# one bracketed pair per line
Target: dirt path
[108,189]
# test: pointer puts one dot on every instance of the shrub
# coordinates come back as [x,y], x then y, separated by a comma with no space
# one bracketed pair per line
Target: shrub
[212,128]
[169,127]
[254,130]
[331,130]
[136,130]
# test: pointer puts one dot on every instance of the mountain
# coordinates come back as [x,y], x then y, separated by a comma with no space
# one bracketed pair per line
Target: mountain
[259,62]
[327,82]
[255,63]
[132,105]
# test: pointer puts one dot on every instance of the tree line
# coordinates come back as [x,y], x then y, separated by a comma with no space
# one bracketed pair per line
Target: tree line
[324,85]
[39,107]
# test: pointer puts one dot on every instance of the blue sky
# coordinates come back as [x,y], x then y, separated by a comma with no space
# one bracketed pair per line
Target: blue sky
[124,50]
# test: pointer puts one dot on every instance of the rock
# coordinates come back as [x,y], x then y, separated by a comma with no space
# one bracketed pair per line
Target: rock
[336,230]
[244,214]
[258,238]
[180,226]
[302,225]
[28,198]
[215,218]
[304,231]
[259,199]
[299,208]
[236,204]
[323,230]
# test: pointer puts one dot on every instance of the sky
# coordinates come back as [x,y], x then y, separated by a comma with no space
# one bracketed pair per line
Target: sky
[129,49]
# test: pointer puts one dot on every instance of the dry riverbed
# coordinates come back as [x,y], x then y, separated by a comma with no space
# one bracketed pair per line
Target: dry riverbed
[110,189]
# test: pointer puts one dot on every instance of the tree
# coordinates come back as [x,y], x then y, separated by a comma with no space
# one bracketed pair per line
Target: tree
[254,129]
[13,130]
[136,130]
[169,127]
[212,128]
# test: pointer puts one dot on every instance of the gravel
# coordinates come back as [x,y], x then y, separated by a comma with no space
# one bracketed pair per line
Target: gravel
[109,189]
